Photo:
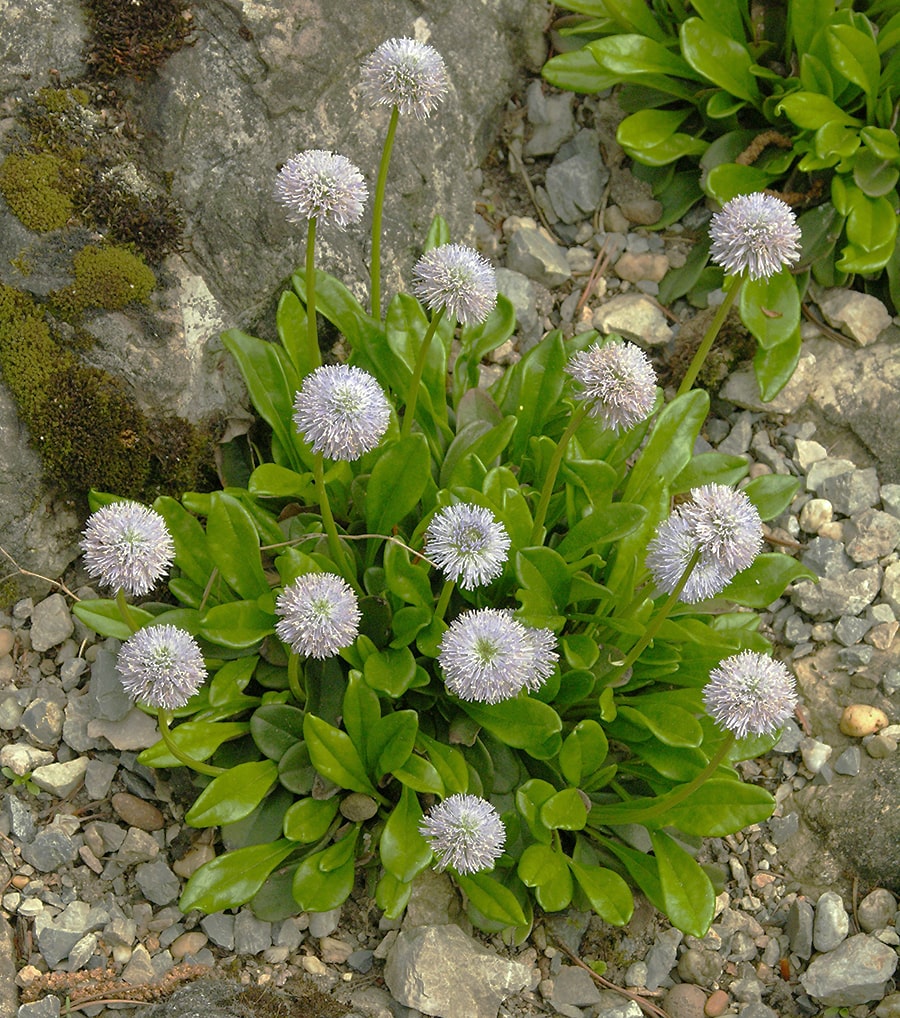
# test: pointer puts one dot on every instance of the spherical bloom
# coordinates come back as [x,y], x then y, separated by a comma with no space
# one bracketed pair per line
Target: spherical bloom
[407,74]
[726,525]
[750,694]
[323,186]
[467,544]
[754,233]
[341,411]
[128,546]
[465,832]
[161,666]
[670,551]
[457,278]
[488,656]
[618,381]
[318,615]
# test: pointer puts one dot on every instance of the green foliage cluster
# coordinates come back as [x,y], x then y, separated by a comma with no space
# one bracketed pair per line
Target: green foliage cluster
[32,184]
[109,277]
[800,98]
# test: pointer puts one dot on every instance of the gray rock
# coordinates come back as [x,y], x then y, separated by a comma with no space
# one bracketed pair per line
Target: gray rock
[50,850]
[251,935]
[10,713]
[106,696]
[442,971]
[43,721]
[536,256]
[815,514]
[139,968]
[98,778]
[890,499]
[662,956]
[799,928]
[51,623]
[890,587]
[575,185]
[849,761]
[323,924]
[832,924]
[552,120]
[853,491]
[82,952]
[700,966]
[740,436]
[219,927]
[851,629]
[840,595]
[8,966]
[157,882]
[569,928]
[876,910]
[889,1007]
[433,901]
[136,730]
[21,818]
[633,316]
[796,631]
[807,452]
[855,658]
[61,778]
[520,291]
[742,388]
[78,716]
[643,267]
[872,534]
[826,557]
[138,847]
[46,1007]
[854,973]
[756,1009]
[790,740]
[22,758]
[56,936]
[858,315]
[573,985]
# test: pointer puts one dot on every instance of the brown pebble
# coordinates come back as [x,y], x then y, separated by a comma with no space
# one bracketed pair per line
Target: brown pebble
[137,813]
[685,1000]
[193,859]
[717,1004]
[187,943]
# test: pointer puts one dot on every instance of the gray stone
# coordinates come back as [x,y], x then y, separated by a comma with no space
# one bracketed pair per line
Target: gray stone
[644,267]
[138,847]
[851,629]
[890,587]
[840,595]
[796,631]
[854,973]
[136,730]
[21,818]
[46,1007]
[756,1009]
[219,927]
[56,936]
[575,185]
[536,256]
[832,924]
[742,388]
[433,901]
[552,120]
[8,966]
[98,778]
[323,924]
[872,534]
[440,970]
[791,736]
[799,928]
[815,514]
[22,758]
[10,713]
[890,499]
[826,557]
[568,928]
[876,910]
[662,956]
[520,291]
[140,968]
[51,623]
[849,761]
[740,436]
[82,952]
[889,1007]
[43,721]
[825,470]
[858,315]
[699,966]
[157,882]
[573,985]
[251,935]
[806,453]
[50,850]
[106,695]
[855,658]
[633,316]
[880,746]
[75,727]
[60,779]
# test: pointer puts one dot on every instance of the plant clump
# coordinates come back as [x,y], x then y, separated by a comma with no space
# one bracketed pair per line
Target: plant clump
[134,38]
[32,184]
[108,277]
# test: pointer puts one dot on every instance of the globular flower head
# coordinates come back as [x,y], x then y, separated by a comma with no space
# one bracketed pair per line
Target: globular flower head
[457,278]
[318,615]
[754,233]
[750,694]
[467,544]
[668,555]
[341,411]
[726,525]
[161,666]
[127,546]
[407,74]
[618,381]
[488,656]
[465,832]
[321,185]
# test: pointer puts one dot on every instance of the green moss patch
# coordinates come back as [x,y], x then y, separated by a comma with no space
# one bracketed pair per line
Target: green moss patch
[32,184]
[105,277]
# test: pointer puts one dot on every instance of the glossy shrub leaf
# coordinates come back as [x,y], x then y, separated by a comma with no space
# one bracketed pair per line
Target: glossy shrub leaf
[319,887]
[634,56]
[390,671]
[403,850]
[765,580]
[811,110]
[233,795]
[710,468]
[104,617]
[771,494]
[230,681]
[546,870]
[392,895]
[610,897]
[334,756]
[671,444]
[199,739]
[770,308]
[775,366]
[855,55]
[578,71]
[721,807]
[727,180]
[290,320]
[583,752]
[420,775]
[398,481]
[361,712]
[690,900]
[191,553]
[239,625]
[390,742]
[600,527]
[450,764]
[275,728]
[232,879]
[491,898]
[671,724]
[409,582]
[720,58]
[530,797]
[564,811]
[307,820]
[873,176]
[653,138]
[269,480]
[522,723]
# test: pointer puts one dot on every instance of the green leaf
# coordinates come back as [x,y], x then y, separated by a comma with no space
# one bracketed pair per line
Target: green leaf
[199,739]
[191,552]
[398,481]
[491,898]
[671,724]
[634,16]
[234,546]
[404,852]
[690,900]
[392,895]
[601,527]
[583,752]
[449,763]
[320,886]
[390,742]
[361,712]
[232,879]
[805,17]
[874,175]
[810,110]
[103,616]
[723,60]
[564,811]
[390,671]
[308,820]
[721,807]
[546,870]
[578,71]
[530,797]
[290,320]
[334,756]
[710,468]
[479,340]
[651,136]
[269,480]
[420,775]
[521,723]
[633,57]
[233,795]
[765,580]
[238,625]
[609,895]
[770,308]
[774,367]
[407,581]
[855,55]
[727,180]
[275,728]
[771,494]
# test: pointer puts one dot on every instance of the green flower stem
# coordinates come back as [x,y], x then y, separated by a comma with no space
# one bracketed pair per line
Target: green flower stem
[658,619]
[377,211]
[297,690]
[706,344]
[334,542]
[163,716]
[555,463]
[125,611]
[444,599]
[312,332]
[413,394]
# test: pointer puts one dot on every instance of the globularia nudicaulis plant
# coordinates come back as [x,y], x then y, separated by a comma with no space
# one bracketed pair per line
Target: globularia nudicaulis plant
[452,626]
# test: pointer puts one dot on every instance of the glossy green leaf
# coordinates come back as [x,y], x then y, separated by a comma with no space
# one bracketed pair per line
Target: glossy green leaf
[361,711]
[269,480]
[727,180]
[522,723]
[403,850]
[392,895]
[637,57]
[103,616]
[874,175]
[390,671]
[633,16]
[690,900]
[233,878]
[710,468]
[290,320]
[491,898]
[765,580]
[390,741]
[770,308]
[546,870]
[316,889]
[578,71]
[530,797]
[238,625]
[855,55]
[199,739]
[720,58]
[771,493]
[232,795]
[775,366]
[642,869]
[721,807]
[477,341]
[670,723]
[191,553]
[881,142]
[651,136]
[420,775]
[334,756]
[583,752]
[308,820]
[398,481]
[275,728]
[564,811]
[809,110]
[805,18]
[409,582]
[450,764]
[601,527]
[233,545]
[609,895]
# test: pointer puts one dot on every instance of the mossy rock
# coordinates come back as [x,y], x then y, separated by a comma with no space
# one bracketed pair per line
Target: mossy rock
[105,277]
[32,184]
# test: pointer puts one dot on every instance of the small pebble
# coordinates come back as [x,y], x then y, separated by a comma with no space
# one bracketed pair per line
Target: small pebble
[685,1000]
[717,1004]
[880,747]
[861,719]
[876,910]
[137,813]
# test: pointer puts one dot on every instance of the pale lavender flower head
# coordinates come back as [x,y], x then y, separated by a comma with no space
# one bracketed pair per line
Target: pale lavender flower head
[750,694]
[618,381]
[670,551]
[467,544]
[341,411]
[161,666]
[321,185]
[318,615]
[754,233]
[488,656]
[465,833]
[127,546]
[726,525]
[407,74]
[457,278]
